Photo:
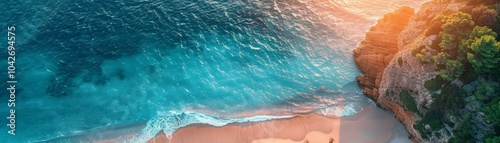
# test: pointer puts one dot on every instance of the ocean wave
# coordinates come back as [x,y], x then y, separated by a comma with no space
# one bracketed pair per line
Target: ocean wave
[168,124]
[173,121]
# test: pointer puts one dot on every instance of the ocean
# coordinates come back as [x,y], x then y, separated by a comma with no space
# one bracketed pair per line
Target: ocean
[87,64]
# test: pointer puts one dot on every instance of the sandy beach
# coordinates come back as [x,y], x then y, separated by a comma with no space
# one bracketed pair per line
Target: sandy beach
[370,125]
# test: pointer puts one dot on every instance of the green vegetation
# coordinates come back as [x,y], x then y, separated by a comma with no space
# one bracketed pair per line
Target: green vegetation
[434,84]
[486,55]
[420,128]
[453,29]
[453,69]
[493,140]
[462,134]
[492,112]
[462,44]
[450,99]
[434,118]
[408,101]
[486,90]
[466,50]
[424,56]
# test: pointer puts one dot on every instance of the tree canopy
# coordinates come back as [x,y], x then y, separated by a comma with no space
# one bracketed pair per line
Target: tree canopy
[485,55]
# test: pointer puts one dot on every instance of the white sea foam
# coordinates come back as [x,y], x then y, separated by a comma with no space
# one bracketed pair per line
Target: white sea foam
[171,123]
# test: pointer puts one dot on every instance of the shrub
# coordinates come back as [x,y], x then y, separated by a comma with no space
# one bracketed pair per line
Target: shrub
[408,101]
[420,128]
[434,119]
[440,58]
[434,84]
[424,56]
[486,90]
[462,134]
[415,51]
[453,69]
[450,99]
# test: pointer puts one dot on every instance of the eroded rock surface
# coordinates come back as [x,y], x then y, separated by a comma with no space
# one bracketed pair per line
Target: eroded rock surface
[376,51]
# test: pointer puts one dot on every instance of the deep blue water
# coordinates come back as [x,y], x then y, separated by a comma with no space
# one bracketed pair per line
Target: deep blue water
[88,64]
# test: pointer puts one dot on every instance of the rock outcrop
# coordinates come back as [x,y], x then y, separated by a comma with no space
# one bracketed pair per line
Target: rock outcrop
[376,52]
[388,66]
[378,48]
[385,58]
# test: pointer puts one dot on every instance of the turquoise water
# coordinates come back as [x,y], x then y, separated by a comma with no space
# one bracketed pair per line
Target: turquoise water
[86,65]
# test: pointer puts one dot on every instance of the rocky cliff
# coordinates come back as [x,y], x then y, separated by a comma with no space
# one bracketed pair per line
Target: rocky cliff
[378,48]
[375,53]
[391,70]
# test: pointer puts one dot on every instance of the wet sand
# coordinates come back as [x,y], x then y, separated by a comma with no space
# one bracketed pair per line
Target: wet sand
[370,125]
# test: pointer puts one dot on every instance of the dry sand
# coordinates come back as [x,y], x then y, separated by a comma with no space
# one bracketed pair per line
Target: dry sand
[369,126]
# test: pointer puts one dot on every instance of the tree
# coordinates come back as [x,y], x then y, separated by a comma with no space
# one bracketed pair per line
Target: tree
[493,140]
[462,134]
[486,90]
[477,32]
[453,69]
[448,42]
[480,31]
[492,112]
[457,23]
[455,27]
[440,58]
[485,57]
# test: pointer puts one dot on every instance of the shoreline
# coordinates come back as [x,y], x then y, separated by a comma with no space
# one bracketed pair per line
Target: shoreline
[370,125]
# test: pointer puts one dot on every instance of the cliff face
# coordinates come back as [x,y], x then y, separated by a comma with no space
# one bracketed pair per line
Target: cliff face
[405,73]
[390,68]
[378,48]
[376,52]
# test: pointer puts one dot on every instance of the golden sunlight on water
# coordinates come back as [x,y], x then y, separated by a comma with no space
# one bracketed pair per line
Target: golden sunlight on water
[351,19]
[374,9]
